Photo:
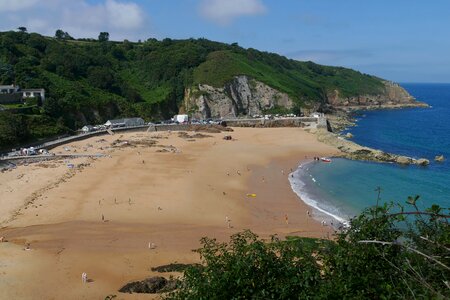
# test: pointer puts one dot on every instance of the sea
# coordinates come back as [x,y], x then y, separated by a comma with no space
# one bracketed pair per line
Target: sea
[342,189]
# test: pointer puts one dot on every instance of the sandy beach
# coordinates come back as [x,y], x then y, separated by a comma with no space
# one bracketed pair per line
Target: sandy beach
[151,187]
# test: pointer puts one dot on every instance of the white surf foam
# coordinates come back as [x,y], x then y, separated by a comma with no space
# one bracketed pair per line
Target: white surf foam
[298,187]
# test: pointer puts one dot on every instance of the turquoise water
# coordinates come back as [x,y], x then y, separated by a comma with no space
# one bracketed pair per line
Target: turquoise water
[344,188]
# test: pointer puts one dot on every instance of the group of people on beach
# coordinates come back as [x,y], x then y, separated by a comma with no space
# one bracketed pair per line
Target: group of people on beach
[316,158]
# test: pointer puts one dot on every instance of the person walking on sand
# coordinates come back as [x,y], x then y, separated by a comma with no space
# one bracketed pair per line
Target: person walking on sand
[286,219]
[83,277]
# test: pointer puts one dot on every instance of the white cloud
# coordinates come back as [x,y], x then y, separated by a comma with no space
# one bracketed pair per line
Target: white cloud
[122,19]
[38,25]
[16,5]
[124,15]
[224,12]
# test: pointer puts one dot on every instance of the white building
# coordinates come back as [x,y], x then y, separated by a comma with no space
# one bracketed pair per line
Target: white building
[8,89]
[181,118]
[14,94]
[31,93]
[87,128]
[125,122]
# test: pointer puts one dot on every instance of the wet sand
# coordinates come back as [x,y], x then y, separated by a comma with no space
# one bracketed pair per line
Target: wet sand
[100,218]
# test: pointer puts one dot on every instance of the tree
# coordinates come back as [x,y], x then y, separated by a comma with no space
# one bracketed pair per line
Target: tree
[22,29]
[59,34]
[103,37]
[249,268]
[13,129]
[101,77]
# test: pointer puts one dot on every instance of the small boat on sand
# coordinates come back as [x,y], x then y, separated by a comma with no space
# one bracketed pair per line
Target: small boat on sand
[325,159]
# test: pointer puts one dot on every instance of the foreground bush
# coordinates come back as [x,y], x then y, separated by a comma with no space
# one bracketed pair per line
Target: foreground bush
[383,255]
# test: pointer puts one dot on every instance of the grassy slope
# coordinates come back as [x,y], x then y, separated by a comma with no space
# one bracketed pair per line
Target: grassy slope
[222,66]
[149,95]
[299,80]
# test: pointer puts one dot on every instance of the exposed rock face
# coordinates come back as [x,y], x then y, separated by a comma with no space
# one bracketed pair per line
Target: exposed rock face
[242,96]
[403,160]
[245,96]
[439,158]
[149,286]
[392,95]
[423,162]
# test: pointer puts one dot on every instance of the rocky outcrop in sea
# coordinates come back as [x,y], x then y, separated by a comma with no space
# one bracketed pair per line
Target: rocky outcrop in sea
[392,96]
[354,151]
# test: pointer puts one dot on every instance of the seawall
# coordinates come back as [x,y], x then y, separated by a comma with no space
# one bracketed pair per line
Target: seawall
[282,122]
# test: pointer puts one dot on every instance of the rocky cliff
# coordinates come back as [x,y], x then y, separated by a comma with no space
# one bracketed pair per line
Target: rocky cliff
[246,96]
[392,95]
[241,96]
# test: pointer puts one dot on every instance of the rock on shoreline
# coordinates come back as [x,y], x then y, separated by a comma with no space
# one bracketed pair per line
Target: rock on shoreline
[439,158]
[150,285]
[354,151]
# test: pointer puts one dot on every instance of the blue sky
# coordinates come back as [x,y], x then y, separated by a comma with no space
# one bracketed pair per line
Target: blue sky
[404,41]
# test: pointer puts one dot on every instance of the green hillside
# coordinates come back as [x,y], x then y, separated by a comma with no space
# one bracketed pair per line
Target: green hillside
[300,80]
[89,81]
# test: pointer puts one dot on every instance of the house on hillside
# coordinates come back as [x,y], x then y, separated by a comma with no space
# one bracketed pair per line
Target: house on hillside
[9,89]
[9,94]
[33,93]
[125,122]
[13,94]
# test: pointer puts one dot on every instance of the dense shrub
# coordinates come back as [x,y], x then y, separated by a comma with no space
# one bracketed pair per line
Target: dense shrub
[382,255]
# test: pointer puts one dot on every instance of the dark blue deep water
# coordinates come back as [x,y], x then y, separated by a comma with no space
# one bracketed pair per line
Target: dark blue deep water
[344,188]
